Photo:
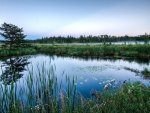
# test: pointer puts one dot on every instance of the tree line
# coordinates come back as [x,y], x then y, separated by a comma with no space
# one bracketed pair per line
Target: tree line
[92,39]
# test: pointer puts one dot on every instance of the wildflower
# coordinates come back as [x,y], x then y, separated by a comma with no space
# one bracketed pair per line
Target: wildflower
[129,91]
[107,86]
[37,107]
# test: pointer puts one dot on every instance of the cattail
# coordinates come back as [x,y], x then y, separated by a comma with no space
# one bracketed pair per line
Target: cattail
[63,103]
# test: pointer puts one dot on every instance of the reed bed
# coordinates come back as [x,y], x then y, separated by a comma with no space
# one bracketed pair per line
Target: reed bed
[46,95]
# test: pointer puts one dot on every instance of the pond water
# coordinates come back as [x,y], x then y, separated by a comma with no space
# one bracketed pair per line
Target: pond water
[87,74]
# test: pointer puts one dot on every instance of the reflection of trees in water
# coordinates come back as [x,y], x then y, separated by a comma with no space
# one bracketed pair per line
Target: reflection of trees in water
[13,68]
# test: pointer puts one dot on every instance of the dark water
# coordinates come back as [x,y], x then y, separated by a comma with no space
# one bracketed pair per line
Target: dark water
[89,74]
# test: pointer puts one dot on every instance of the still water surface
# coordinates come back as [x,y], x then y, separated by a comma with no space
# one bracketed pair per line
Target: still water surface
[89,74]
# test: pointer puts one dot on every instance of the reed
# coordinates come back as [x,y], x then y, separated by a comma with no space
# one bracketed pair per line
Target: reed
[45,95]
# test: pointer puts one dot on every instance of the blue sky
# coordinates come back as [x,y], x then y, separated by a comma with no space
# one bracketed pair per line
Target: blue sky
[76,17]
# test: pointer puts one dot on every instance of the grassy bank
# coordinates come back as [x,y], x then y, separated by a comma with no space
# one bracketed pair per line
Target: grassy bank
[141,51]
[118,51]
[17,52]
[44,95]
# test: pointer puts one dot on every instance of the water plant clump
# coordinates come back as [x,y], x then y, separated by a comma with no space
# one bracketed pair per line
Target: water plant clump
[146,73]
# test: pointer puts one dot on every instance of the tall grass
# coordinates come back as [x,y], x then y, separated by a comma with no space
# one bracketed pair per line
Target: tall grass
[138,51]
[118,51]
[45,95]
[15,52]
[37,95]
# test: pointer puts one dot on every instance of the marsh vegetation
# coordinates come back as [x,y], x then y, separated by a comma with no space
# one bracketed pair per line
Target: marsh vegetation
[43,76]
[41,83]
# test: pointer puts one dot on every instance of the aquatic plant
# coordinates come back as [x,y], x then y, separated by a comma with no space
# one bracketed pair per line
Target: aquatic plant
[45,95]
[146,73]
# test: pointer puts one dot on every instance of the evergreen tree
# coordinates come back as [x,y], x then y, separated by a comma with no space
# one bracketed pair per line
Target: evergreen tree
[13,35]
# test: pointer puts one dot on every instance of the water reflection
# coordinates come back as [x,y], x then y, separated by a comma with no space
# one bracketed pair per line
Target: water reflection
[90,73]
[12,69]
[111,59]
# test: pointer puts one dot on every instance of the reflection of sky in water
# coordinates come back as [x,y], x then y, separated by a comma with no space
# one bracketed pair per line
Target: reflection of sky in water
[90,74]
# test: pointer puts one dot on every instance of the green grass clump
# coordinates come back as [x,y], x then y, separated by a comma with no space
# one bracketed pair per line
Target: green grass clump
[16,52]
[146,73]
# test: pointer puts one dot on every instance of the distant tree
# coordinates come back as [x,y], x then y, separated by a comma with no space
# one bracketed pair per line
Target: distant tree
[146,38]
[13,35]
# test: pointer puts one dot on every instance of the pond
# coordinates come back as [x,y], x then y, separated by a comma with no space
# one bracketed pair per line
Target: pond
[86,74]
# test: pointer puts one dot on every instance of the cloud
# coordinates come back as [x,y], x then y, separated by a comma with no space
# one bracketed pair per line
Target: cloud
[94,25]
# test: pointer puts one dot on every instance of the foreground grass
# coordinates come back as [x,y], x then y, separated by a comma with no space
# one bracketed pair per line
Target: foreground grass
[44,95]
[131,98]
[118,51]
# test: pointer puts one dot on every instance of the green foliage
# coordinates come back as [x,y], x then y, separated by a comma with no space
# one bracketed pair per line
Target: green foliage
[13,35]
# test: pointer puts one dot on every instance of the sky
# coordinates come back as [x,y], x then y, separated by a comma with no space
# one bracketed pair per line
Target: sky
[77,17]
